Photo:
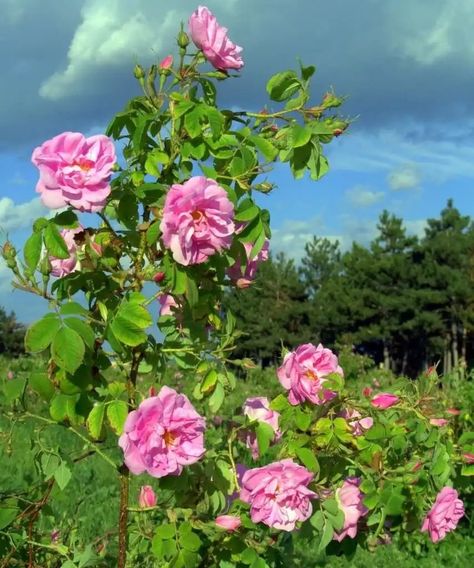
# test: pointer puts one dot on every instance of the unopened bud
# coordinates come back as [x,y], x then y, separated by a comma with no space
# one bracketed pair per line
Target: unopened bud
[45,266]
[166,63]
[182,39]
[331,101]
[9,254]
[139,72]
[159,277]
[264,187]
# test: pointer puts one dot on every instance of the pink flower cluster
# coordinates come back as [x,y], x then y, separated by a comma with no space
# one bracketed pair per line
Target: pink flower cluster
[75,170]
[258,408]
[444,515]
[278,494]
[164,434]
[304,372]
[63,266]
[197,220]
[349,498]
[212,39]
[243,278]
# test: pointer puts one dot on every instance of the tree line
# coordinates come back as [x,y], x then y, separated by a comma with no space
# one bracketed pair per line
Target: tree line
[408,302]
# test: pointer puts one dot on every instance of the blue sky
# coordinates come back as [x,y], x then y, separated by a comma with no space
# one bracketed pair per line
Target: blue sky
[406,67]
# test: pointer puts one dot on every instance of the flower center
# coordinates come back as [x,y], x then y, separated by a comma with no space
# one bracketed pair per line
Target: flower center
[197,216]
[169,438]
[311,375]
[84,164]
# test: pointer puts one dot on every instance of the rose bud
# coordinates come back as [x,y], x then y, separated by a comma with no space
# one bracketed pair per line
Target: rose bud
[147,497]
[228,522]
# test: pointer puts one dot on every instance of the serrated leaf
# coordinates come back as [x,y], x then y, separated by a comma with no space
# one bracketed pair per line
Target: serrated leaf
[299,136]
[95,420]
[55,244]
[67,349]
[265,435]
[62,475]
[82,329]
[7,516]
[117,412]
[72,308]
[136,314]
[166,531]
[40,334]
[327,536]
[192,122]
[41,384]
[217,398]
[283,85]
[14,389]
[307,457]
[32,250]
[265,147]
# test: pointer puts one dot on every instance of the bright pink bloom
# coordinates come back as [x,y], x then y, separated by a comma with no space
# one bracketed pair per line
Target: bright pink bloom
[349,498]
[228,522]
[147,497]
[358,424]
[277,494]
[167,305]
[166,63]
[164,434]
[63,266]
[212,39]
[75,170]
[197,220]
[468,457]
[444,515]
[384,400]
[258,408]
[304,372]
[243,278]
[367,391]
[438,422]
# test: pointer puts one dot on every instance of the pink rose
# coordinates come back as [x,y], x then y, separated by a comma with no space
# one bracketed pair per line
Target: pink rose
[349,498]
[358,424]
[384,400]
[303,373]
[258,409]
[166,63]
[444,515]
[468,457]
[147,497]
[277,494]
[164,434]
[63,266]
[228,522]
[243,278]
[75,171]
[212,39]
[440,422]
[197,220]
[167,305]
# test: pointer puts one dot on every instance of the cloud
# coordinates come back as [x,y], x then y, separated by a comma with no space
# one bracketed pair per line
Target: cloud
[416,227]
[406,176]
[361,196]
[15,216]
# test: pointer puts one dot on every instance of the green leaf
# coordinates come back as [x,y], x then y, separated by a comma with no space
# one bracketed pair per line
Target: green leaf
[153,232]
[299,136]
[41,384]
[40,334]
[326,537]
[182,108]
[192,292]
[217,398]
[265,435]
[247,212]
[95,420]
[72,308]
[32,250]
[190,541]
[65,219]
[63,406]
[55,244]
[14,388]
[265,147]
[283,85]
[67,349]
[117,412]
[7,516]
[331,506]
[49,464]
[136,314]
[127,211]
[165,531]
[302,419]
[307,72]
[216,121]
[127,332]
[82,329]
[62,475]
[192,122]
[209,381]
[307,457]
[317,520]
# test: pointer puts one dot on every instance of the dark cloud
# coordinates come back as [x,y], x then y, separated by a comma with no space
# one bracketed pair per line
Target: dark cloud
[400,61]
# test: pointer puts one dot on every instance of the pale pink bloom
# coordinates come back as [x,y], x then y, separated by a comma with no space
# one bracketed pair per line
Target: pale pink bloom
[147,497]
[304,373]
[10,375]
[349,498]
[258,408]
[166,63]
[228,522]
[167,305]
[358,424]
[63,266]
[75,170]
[278,494]
[468,457]
[164,434]
[444,515]
[212,39]
[244,277]
[453,411]
[197,220]
[438,422]
[384,400]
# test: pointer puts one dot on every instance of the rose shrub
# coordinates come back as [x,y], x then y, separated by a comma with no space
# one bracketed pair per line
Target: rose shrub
[334,466]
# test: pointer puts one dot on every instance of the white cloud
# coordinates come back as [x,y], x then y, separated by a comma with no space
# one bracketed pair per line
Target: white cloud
[17,216]
[361,196]
[405,176]
[416,227]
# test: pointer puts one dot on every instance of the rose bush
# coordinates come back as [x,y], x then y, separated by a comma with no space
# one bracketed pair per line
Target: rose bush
[333,466]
